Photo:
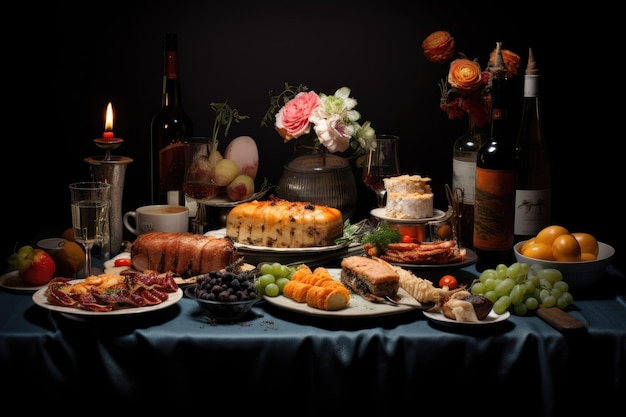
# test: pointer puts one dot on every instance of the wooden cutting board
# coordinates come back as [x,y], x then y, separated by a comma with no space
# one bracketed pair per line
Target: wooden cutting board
[560,320]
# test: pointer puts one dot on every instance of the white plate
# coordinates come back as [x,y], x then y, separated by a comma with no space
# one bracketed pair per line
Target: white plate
[221,201]
[492,318]
[380,213]
[109,266]
[12,281]
[41,300]
[470,259]
[267,249]
[358,306]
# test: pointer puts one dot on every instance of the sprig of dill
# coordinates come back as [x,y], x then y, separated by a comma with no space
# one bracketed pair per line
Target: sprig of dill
[382,236]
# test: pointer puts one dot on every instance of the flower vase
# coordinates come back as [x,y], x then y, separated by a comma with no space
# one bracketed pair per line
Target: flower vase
[319,177]
[465,151]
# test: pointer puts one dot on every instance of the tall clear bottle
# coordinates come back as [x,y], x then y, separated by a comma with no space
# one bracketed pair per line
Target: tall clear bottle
[494,204]
[464,154]
[170,129]
[533,194]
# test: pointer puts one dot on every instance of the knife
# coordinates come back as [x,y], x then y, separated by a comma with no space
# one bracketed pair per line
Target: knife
[560,320]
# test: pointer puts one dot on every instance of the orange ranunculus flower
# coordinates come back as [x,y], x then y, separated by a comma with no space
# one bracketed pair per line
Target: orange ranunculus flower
[465,75]
[439,46]
[511,60]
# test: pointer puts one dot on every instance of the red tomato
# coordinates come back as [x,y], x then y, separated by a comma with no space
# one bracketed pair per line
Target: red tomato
[407,239]
[122,262]
[448,281]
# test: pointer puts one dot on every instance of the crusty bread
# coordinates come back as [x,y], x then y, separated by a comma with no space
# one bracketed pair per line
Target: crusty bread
[369,278]
[284,224]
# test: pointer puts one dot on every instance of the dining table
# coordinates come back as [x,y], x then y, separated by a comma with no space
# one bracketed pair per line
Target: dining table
[290,362]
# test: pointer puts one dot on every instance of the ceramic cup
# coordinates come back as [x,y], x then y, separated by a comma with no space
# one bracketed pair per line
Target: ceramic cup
[157,218]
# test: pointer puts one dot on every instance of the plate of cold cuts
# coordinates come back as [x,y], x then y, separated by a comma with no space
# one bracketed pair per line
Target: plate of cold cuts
[470,259]
[41,299]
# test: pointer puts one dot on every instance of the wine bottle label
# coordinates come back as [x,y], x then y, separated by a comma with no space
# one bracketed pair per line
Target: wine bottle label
[532,211]
[494,208]
[464,177]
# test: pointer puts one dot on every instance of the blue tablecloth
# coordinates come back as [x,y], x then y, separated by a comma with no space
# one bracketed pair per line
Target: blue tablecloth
[370,365]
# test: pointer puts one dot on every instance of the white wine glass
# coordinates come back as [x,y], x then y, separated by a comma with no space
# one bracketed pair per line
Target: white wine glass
[91,203]
[381,163]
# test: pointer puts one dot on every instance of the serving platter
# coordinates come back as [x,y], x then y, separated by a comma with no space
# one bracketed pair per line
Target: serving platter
[492,318]
[41,300]
[470,259]
[380,213]
[286,251]
[357,308]
[11,281]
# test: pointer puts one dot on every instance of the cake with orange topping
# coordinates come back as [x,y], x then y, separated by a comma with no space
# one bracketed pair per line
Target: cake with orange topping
[280,223]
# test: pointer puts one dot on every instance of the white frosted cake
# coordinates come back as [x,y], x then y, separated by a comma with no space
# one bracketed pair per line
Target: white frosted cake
[408,197]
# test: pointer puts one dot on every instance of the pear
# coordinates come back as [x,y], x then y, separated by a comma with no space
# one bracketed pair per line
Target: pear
[224,172]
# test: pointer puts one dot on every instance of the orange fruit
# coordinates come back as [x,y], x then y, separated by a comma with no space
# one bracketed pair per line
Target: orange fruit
[565,248]
[68,234]
[538,251]
[588,244]
[548,234]
[585,256]
[529,242]
[69,260]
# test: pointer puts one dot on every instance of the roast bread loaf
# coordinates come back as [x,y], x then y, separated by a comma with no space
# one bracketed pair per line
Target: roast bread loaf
[184,254]
[279,223]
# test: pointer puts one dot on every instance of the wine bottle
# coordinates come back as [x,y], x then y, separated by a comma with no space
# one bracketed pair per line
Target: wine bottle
[464,153]
[494,203]
[170,129]
[533,189]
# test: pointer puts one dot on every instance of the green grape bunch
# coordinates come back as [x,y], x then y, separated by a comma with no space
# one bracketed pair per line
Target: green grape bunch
[272,278]
[520,288]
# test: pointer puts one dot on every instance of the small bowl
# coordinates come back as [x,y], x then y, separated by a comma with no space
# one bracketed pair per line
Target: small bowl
[221,310]
[51,245]
[578,275]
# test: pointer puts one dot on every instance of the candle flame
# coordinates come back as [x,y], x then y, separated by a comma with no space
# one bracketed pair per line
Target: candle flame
[108,125]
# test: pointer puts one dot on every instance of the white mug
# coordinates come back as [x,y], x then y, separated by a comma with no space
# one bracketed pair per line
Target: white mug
[157,218]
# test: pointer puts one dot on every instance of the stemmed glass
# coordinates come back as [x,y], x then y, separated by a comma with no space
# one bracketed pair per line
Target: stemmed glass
[197,184]
[381,163]
[91,203]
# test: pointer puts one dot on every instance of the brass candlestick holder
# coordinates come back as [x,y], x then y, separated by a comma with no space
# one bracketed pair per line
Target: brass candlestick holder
[111,169]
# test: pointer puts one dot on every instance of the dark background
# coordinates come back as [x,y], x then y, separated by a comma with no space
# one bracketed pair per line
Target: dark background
[238,52]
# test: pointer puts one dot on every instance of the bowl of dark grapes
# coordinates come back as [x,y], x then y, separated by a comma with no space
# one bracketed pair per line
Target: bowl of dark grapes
[224,295]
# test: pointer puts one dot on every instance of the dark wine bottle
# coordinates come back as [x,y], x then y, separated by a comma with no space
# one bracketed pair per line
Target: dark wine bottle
[494,200]
[533,194]
[170,129]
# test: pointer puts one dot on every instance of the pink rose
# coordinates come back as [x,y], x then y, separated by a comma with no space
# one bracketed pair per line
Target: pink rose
[292,120]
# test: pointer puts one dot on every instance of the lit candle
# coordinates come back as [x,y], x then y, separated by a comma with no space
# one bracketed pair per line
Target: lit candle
[108,124]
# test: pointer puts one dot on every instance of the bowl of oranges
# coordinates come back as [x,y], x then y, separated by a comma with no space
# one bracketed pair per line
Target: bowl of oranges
[579,256]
